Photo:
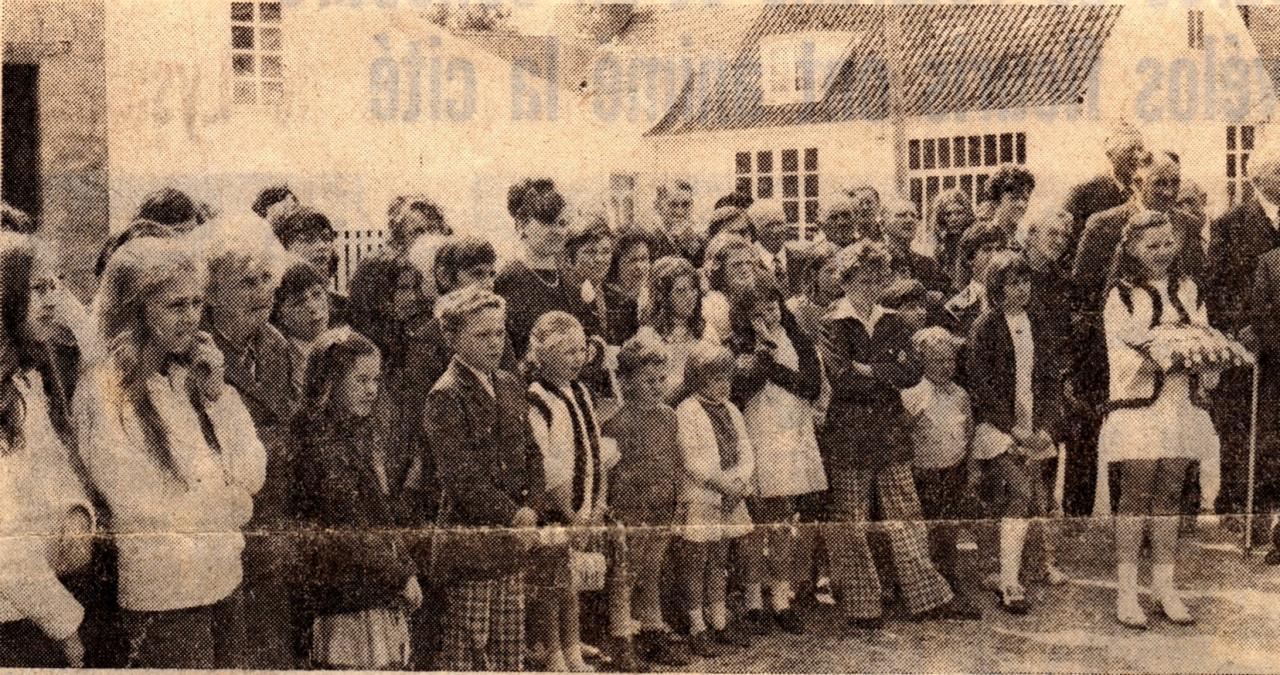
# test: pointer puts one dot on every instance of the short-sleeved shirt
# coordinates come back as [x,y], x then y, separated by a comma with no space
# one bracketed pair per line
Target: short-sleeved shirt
[942,417]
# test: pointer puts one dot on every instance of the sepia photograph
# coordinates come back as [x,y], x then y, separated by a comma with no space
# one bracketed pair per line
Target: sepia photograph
[742,336]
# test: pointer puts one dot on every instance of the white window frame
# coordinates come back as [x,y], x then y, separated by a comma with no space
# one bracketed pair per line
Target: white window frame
[1195,28]
[790,176]
[622,199]
[800,67]
[1241,141]
[257,52]
[967,162]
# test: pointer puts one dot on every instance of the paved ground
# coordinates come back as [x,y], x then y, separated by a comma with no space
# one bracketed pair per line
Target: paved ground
[1070,629]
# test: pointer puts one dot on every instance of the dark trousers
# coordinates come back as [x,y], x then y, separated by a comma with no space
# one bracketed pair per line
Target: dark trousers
[947,507]
[211,636]
[24,645]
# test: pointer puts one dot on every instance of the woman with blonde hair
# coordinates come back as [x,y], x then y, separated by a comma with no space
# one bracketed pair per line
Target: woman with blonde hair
[173,452]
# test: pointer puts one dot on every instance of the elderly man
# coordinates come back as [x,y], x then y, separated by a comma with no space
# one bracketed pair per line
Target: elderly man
[901,224]
[1239,296]
[1155,187]
[772,232]
[838,225]
[239,299]
[674,233]
[864,204]
[1126,151]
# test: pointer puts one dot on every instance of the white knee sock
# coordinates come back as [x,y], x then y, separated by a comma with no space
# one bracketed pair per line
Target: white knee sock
[780,596]
[1013,534]
[696,622]
[752,597]
[1127,579]
[717,615]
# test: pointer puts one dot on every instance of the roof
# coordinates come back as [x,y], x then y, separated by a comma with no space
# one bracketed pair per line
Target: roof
[954,58]
[1264,26]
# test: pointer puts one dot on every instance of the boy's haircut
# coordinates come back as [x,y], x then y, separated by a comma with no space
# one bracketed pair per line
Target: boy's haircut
[736,199]
[297,280]
[455,308]
[1002,270]
[706,361]
[461,253]
[168,206]
[1009,179]
[936,337]
[331,358]
[305,223]
[858,254]
[586,228]
[535,199]
[904,293]
[977,237]
[645,348]
[269,197]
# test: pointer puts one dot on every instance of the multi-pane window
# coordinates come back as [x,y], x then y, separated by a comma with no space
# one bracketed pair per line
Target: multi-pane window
[1239,147]
[965,162]
[789,176]
[1195,28]
[257,53]
[622,199]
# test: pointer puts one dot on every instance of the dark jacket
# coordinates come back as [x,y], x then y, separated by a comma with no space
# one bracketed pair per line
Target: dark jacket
[528,297]
[355,557]
[923,269]
[804,383]
[486,462]
[866,423]
[992,379]
[1236,241]
[1095,195]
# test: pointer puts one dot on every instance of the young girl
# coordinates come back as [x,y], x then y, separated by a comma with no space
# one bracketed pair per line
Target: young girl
[1013,379]
[562,417]
[820,287]
[48,518]
[642,498]
[676,314]
[361,584]
[1156,426]
[779,379]
[719,473]
[174,452]
[731,265]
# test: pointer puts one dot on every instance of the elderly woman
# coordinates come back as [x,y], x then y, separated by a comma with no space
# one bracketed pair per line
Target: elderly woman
[174,453]
[48,513]
[240,296]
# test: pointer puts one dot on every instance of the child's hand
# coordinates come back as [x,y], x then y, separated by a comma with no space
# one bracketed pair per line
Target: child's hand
[1042,442]
[412,594]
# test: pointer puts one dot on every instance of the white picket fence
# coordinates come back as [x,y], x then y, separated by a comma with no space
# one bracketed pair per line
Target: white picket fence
[352,247]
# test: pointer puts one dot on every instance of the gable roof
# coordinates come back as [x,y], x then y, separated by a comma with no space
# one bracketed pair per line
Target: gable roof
[954,58]
[1263,22]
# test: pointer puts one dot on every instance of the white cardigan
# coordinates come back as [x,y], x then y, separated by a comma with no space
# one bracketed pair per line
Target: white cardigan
[39,490]
[701,452]
[177,530]
[1132,375]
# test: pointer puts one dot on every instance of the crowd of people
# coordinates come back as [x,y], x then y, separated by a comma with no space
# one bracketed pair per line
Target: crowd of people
[680,430]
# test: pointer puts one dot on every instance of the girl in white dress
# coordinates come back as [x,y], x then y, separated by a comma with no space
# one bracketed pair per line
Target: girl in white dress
[1156,426]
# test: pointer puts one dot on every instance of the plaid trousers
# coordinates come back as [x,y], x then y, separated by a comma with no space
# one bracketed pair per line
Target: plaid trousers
[484,625]
[853,569]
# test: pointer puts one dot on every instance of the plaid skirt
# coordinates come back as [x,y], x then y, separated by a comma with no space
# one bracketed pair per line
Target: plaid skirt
[484,625]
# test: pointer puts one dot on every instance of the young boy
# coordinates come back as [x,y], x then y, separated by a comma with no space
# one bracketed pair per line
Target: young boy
[491,475]
[643,491]
[941,425]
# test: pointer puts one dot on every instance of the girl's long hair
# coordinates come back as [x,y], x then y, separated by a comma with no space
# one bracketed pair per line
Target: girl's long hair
[662,279]
[1126,274]
[137,273]
[332,357]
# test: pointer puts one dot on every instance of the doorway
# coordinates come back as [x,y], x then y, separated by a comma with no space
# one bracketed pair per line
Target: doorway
[21,141]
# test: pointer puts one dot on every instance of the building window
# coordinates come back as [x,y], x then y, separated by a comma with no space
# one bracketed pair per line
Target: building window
[790,176]
[257,53]
[965,162]
[1195,28]
[1239,147]
[622,199]
[799,67]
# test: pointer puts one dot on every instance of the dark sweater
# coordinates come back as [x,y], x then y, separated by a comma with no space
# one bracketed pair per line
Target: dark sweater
[528,297]
[643,486]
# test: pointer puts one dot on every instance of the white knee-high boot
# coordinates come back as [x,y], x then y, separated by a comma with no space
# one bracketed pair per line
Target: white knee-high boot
[1170,600]
[1128,609]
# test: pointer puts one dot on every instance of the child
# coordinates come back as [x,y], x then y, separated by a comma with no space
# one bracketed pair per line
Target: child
[1155,427]
[562,417]
[778,380]
[731,265]
[301,313]
[865,348]
[676,315]
[719,473]
[362,583]
[642,494]
[477,418]
[1013,380]
[941,428]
